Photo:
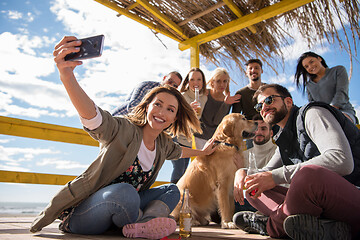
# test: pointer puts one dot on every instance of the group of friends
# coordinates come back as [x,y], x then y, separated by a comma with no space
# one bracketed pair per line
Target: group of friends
[307,183]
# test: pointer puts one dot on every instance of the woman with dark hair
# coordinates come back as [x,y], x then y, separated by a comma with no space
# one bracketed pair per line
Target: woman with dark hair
[324,84]
[115,189]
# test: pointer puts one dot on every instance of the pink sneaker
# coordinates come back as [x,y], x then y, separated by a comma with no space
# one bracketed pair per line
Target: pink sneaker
[155,228]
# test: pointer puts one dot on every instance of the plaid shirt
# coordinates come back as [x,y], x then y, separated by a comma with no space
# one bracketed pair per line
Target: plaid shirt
[135,97]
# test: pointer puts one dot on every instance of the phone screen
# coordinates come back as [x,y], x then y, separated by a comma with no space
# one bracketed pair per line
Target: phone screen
[90,47]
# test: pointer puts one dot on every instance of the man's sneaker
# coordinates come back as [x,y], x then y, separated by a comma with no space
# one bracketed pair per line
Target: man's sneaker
[308,227]
[251,222]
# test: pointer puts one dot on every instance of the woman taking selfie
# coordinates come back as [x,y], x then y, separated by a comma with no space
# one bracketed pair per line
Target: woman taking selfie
[115,189]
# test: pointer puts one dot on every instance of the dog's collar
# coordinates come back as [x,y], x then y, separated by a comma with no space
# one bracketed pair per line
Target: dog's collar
[227,144]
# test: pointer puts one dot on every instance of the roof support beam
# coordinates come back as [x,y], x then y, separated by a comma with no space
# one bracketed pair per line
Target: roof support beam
[243,22]
[238,12]
[162,17]
[195,56]
[126,13]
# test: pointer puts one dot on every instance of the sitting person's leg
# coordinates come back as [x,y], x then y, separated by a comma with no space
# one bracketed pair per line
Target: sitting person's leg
[114,204]
[167,193]
[268,203]
[314,191]
[325,194]
[156,203]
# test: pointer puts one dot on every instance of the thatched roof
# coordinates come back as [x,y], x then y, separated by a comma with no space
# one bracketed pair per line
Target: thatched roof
[183,20]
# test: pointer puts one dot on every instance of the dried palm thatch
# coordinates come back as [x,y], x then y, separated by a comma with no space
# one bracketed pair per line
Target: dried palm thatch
[317,21]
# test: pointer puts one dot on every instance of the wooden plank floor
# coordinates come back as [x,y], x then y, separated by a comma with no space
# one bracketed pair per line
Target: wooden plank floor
[17,228]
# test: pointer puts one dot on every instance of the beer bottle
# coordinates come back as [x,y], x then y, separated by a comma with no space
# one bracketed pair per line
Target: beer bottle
[185,216]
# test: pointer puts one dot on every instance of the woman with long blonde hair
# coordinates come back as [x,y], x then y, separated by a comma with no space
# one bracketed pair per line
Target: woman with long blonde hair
[217,106]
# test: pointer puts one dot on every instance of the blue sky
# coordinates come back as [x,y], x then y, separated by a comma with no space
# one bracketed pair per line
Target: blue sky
[30,87]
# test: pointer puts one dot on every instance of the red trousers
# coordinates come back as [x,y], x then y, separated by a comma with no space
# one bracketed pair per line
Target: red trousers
[316,191]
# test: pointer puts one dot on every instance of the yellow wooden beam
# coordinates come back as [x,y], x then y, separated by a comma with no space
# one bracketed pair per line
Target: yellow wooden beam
[237,12]
[195,56]
[154,11]
[115,7]
[43,178]
[44,131]
[243,22]
[34,178]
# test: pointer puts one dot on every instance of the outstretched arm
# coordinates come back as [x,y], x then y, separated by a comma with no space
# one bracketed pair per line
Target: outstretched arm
[208,149]
[81,101]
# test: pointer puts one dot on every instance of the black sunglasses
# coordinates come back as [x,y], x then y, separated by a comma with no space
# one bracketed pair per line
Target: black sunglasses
[269,100]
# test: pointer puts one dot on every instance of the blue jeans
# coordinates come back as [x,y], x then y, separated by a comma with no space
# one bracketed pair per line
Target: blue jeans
[118,204]
[179,168]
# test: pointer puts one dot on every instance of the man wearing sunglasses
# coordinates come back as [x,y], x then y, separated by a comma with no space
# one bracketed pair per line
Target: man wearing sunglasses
[137,94]
[319,156]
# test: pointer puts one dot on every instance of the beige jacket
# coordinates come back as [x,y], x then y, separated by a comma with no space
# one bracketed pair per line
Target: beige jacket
[119,144]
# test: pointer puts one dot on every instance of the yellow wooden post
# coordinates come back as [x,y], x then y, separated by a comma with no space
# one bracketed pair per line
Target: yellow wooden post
[194,56]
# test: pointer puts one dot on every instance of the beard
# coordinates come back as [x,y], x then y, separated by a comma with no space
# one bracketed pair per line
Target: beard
[277,116]
[262,141]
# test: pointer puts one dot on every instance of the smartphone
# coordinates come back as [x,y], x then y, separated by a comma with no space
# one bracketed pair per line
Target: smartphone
[90,47]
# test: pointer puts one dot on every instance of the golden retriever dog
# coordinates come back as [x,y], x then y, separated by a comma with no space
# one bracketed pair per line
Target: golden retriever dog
[210,179]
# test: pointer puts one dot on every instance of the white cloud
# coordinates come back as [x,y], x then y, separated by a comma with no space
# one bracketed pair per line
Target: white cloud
[61,164]
[13,168]
[20,78]
[130,56]
[13,158]
[14,14]
[2,141]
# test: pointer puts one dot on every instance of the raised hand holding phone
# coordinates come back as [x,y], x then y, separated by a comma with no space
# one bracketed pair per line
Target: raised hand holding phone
[90,47]
[81,101]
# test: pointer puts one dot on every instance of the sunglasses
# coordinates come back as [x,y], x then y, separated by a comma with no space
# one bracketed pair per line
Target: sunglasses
[269,100]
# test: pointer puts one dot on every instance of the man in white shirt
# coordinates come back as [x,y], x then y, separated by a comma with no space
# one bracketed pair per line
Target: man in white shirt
[264,148]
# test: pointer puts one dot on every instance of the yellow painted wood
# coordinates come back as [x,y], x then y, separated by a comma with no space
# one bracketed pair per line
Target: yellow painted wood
[34,178]
[158,183]
[44,131]
[43,178]
[237,12]
[154,11]
[115,7]
[195,56]
[243,22]
[132,6]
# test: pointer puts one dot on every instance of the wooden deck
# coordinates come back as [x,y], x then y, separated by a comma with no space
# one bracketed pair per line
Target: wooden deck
[12,227]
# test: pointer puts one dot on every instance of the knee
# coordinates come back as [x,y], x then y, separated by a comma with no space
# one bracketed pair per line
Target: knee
[308,176]
[173,189]
[124,193]
[171,196]
[308,173]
